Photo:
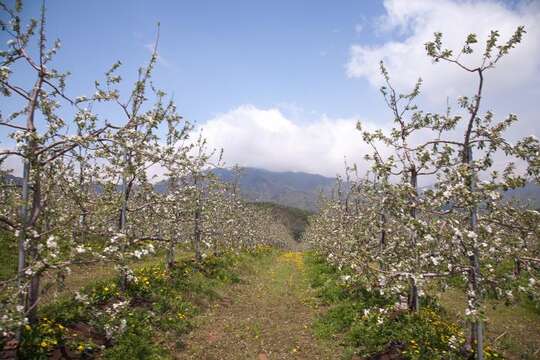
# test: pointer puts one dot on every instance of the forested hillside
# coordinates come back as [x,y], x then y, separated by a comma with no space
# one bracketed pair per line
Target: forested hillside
[305,191]
[296,189]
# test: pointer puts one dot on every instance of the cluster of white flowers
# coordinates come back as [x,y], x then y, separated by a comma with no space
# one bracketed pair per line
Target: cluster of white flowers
[51,242]
[88,195]
[397,236]
[140,253]
[80,249]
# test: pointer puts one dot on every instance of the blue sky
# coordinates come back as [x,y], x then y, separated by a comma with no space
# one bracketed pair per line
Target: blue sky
[220,54]
[280,84]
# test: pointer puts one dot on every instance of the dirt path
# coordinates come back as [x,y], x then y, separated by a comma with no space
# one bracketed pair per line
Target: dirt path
[267,316]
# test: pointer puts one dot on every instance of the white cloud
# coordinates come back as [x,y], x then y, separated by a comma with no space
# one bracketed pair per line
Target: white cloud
[266,138]
[415,21]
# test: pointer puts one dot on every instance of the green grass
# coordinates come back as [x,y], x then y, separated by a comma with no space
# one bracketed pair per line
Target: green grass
[368,324]
[159,302]
[163,305]
[268,315]
[8,256]
[513,329]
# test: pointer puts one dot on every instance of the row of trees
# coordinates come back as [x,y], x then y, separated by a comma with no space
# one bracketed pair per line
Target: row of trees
[85,194]
[398,237]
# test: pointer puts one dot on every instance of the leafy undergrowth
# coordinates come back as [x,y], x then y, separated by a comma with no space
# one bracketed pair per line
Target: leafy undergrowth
[101,321]
[373,327]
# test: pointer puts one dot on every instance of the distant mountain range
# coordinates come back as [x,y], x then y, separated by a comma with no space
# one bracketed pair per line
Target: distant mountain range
[529,194]
[296,189]
[291,189]
[303,190]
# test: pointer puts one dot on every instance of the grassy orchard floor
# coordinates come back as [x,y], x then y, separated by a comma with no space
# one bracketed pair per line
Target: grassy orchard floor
[269,315]
[83,275]
[514,330]
[160,306]
[289,307]
[256,305]
[265,305]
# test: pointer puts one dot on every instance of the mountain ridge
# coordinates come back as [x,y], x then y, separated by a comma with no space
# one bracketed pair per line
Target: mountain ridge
[288,188]
[303,190]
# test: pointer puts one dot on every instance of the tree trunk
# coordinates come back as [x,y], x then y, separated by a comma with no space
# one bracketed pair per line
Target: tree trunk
[171,254]
[197,222]
[197,233]
[121,228]
[24,218]
[33,298]
[382,240]
[474,261]
[22,240]
[414,300]
[517,267]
